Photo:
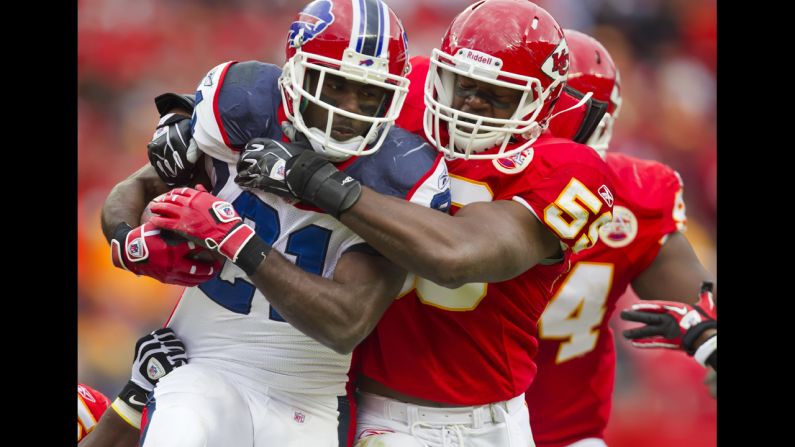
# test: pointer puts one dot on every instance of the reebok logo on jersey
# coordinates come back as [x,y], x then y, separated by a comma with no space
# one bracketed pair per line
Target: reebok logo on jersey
[313,20]
[604,191]
[86,395]
[347,180]
[208,80]
[299,417]
[444,180]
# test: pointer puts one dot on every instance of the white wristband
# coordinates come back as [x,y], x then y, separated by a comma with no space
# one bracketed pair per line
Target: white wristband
[128,413]
[706,349]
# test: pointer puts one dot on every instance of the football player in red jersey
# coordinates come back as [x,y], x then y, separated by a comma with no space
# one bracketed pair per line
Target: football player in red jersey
[451,358]
[90,406]
[571,396]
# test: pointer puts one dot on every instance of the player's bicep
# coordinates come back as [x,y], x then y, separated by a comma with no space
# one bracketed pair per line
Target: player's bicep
[368,270]
[516,239]
[148,182]
[675,275]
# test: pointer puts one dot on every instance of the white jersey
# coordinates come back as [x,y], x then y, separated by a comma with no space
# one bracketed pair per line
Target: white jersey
[228,319]
[228,323]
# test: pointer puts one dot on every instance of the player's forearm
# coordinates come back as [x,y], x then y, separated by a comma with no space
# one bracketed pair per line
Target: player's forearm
[448,250]
[112,431]
[675,275]
[128,198]
[338,315]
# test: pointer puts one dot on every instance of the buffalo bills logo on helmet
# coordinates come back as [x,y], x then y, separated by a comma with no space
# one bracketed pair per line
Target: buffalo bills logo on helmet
[366,62]
[314,19]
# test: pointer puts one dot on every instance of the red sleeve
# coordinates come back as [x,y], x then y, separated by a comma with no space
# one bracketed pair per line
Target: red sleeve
[573,201]
[90,406]
[652,202]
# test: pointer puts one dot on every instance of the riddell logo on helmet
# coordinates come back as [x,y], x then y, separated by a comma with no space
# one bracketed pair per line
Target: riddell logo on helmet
[480,57]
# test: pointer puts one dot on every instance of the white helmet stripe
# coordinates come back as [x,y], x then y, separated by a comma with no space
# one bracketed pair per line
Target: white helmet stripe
[383,37]
[357,26]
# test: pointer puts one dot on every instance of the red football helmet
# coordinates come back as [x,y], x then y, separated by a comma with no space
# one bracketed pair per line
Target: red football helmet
[592,70]
[360,40]
[507,43]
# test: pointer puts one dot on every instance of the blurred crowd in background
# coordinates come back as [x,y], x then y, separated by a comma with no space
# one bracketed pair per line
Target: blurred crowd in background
[129,52]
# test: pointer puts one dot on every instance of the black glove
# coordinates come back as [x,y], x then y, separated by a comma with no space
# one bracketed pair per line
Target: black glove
[168,101]
[262,164]
[156,355]
[312,178]
[172,151]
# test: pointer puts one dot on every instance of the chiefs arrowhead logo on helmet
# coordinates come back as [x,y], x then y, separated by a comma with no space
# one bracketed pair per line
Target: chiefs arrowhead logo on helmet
[315,18]
[557,64]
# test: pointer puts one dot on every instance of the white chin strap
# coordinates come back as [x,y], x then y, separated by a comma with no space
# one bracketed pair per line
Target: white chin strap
[329,153]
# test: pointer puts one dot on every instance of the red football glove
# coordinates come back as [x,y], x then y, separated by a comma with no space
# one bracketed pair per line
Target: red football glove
[144,251]
[670,324]
[211,222]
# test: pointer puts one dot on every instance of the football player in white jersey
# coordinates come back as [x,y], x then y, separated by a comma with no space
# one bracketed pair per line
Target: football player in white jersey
[156,354]
[269,336]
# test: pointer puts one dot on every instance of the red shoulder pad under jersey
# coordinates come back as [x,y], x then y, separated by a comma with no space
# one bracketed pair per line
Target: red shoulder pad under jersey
[568,187]
[413,111]
[90,406]
[651,187]
[649,206]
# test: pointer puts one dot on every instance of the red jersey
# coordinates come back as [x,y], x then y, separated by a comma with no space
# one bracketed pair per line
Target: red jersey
[570,398]
[90,406]
[474,345]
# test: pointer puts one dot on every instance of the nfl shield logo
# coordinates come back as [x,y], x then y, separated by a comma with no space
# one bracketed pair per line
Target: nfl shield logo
[224,211]
[136,250]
